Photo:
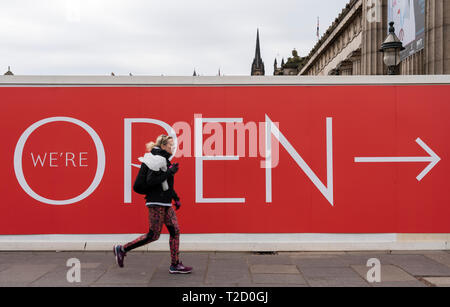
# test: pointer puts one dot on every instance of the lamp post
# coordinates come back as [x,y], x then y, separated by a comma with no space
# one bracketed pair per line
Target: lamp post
[391,48]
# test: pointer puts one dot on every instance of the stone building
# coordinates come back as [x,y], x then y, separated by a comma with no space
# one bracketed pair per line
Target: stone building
[291,68]
[351,44]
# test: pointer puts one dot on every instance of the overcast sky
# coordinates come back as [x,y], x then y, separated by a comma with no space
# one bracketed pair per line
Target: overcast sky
[154,37]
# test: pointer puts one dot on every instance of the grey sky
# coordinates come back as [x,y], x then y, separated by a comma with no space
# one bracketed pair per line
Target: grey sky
[154,37]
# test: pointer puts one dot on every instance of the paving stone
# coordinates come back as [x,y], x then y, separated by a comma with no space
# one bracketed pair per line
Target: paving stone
[269,259]
[388,273]
[427,270]
[419,265]
[344,260]
[13,284]
[89,260]
[216,277]
[4,266]
[284,279]
[62,285]
[125,276]
[224,269]
[228,270]
[61,259]
[24,273]
[228,255]
[293,257]
[337,282]
[312,254]
[15,257]
[196,254]
[443,258]
[438,281]
[411,259]
[233,264]
[58,278]
[67,255]
[274,268]
[90,265]
[328,272]
[226,278]
[362,259]
[319,262]
[393,284]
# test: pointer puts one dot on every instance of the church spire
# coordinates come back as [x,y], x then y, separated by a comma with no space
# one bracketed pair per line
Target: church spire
[258,64]
[9,72]
[258,50]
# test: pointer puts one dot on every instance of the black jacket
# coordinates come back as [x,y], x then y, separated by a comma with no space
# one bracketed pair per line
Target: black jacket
[156,178]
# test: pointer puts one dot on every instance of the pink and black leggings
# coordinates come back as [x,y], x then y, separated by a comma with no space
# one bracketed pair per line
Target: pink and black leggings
[159,215]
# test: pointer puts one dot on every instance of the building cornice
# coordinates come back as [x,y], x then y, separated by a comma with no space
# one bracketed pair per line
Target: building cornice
[347,14]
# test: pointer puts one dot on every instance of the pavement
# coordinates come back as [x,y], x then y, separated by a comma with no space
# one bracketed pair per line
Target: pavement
[226,269]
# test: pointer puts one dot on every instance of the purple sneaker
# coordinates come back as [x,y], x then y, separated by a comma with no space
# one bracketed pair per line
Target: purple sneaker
[120,254]
[180,269]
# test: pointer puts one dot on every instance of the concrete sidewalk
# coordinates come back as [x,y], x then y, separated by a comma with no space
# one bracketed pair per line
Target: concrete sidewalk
[214,269]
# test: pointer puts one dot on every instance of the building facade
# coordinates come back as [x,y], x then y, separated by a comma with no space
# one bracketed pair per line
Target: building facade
[291,68]
[351,44]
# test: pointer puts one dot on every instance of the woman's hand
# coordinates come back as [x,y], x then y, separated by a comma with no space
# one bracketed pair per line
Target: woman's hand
[177,205]
[173,169]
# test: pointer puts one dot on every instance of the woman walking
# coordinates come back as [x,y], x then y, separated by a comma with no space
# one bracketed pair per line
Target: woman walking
[159,179]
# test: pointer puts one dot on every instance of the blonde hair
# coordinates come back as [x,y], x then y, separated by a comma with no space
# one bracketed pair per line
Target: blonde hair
[160,140]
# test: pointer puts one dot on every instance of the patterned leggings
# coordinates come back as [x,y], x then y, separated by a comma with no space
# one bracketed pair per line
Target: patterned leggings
[159,215]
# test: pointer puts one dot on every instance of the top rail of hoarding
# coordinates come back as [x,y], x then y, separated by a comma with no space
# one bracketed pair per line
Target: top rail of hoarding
[218,81]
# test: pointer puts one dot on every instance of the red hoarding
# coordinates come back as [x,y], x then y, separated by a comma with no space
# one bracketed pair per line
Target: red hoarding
[345,159]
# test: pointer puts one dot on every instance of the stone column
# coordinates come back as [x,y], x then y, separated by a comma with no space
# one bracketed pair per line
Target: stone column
[437,40]
[374,32]
[355,59]
[413,65]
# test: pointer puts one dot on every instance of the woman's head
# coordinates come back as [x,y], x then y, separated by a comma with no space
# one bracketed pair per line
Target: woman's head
[163,141]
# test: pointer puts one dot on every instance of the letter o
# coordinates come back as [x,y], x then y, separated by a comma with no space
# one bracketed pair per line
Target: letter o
[101,161]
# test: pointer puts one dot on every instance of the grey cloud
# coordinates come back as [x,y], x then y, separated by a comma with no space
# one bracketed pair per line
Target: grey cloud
[156,37]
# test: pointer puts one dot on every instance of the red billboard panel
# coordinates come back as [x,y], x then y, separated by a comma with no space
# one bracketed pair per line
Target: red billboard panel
[253,159]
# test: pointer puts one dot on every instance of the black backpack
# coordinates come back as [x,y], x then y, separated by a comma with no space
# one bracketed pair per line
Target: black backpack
[140,183]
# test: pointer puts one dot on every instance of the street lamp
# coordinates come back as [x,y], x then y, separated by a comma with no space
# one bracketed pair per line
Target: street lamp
[391,48]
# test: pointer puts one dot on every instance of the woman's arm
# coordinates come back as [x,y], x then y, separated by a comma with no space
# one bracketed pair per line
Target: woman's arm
[156,177]
[175,196]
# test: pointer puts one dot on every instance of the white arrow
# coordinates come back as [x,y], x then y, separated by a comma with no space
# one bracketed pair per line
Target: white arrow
[433,158]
